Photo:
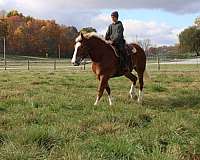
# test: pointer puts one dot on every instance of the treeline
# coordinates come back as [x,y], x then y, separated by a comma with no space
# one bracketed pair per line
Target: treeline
[190,38]
[28,36]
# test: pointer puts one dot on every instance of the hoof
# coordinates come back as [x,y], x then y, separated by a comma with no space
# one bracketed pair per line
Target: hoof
[134,97]
[140,101]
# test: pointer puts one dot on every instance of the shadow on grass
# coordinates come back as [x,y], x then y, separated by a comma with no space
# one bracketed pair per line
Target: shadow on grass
[2,109]
[45,138]
[3,138]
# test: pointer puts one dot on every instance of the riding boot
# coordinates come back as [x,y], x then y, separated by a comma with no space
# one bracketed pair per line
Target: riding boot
[124,61]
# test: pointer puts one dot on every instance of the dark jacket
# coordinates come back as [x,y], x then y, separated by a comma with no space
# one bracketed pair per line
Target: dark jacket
[115,34]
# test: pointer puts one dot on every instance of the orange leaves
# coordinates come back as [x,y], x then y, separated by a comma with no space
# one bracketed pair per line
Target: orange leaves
[34,37]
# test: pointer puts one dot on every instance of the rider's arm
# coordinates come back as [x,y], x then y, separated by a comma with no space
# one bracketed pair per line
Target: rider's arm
[108,33]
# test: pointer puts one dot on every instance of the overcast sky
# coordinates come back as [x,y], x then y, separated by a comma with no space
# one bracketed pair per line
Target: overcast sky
[159,20]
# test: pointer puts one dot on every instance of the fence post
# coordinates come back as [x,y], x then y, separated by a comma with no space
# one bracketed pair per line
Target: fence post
[84,65]
[28,65]
[158,60]
[5,64]
[4,51]
[55,64]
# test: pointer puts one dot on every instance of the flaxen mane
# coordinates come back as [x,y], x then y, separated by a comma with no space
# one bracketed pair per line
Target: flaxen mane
[92,35]
[102,40]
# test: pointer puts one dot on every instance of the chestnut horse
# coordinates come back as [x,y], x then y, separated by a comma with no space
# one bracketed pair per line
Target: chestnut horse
[105,63]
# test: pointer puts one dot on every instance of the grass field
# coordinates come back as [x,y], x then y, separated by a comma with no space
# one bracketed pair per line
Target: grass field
[50,115]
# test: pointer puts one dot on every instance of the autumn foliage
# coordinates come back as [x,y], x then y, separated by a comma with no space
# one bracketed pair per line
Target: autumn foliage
[35,37]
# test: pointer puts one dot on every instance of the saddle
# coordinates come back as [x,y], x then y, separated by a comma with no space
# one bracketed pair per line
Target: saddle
[130,50]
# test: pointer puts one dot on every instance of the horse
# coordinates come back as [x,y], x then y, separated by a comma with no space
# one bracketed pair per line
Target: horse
[105,63]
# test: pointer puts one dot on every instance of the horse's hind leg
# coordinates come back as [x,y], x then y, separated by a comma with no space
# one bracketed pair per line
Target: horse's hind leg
[109,94]
[141,92]
[132,91]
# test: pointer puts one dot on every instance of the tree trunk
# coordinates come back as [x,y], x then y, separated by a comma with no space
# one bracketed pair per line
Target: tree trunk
[197,50]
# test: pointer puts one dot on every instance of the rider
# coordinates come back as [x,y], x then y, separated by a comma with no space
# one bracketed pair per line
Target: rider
[115,37]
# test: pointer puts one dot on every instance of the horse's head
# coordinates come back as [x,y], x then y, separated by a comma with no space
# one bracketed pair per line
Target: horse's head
[81,50]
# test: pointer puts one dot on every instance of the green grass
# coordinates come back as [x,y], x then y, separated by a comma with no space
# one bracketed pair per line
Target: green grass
[50,115]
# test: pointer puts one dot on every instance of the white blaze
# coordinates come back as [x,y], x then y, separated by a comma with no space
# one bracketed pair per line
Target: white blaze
[78,39]
[78,44]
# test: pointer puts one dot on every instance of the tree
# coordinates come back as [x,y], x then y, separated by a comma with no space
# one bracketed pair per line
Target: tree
[197,21]
[3,28]
[34,37]
[3,32]
[2,13]
[67,37]
[145,44]
[29,18]
[190,40]
[88,30]
[14,13]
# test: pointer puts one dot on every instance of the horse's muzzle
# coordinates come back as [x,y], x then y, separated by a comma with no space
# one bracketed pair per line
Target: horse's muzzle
[76,64]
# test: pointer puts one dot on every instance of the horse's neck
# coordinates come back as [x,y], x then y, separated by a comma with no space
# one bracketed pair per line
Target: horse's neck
[97,51]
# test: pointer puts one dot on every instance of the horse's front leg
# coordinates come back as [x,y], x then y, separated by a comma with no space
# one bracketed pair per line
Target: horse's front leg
[102,86]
